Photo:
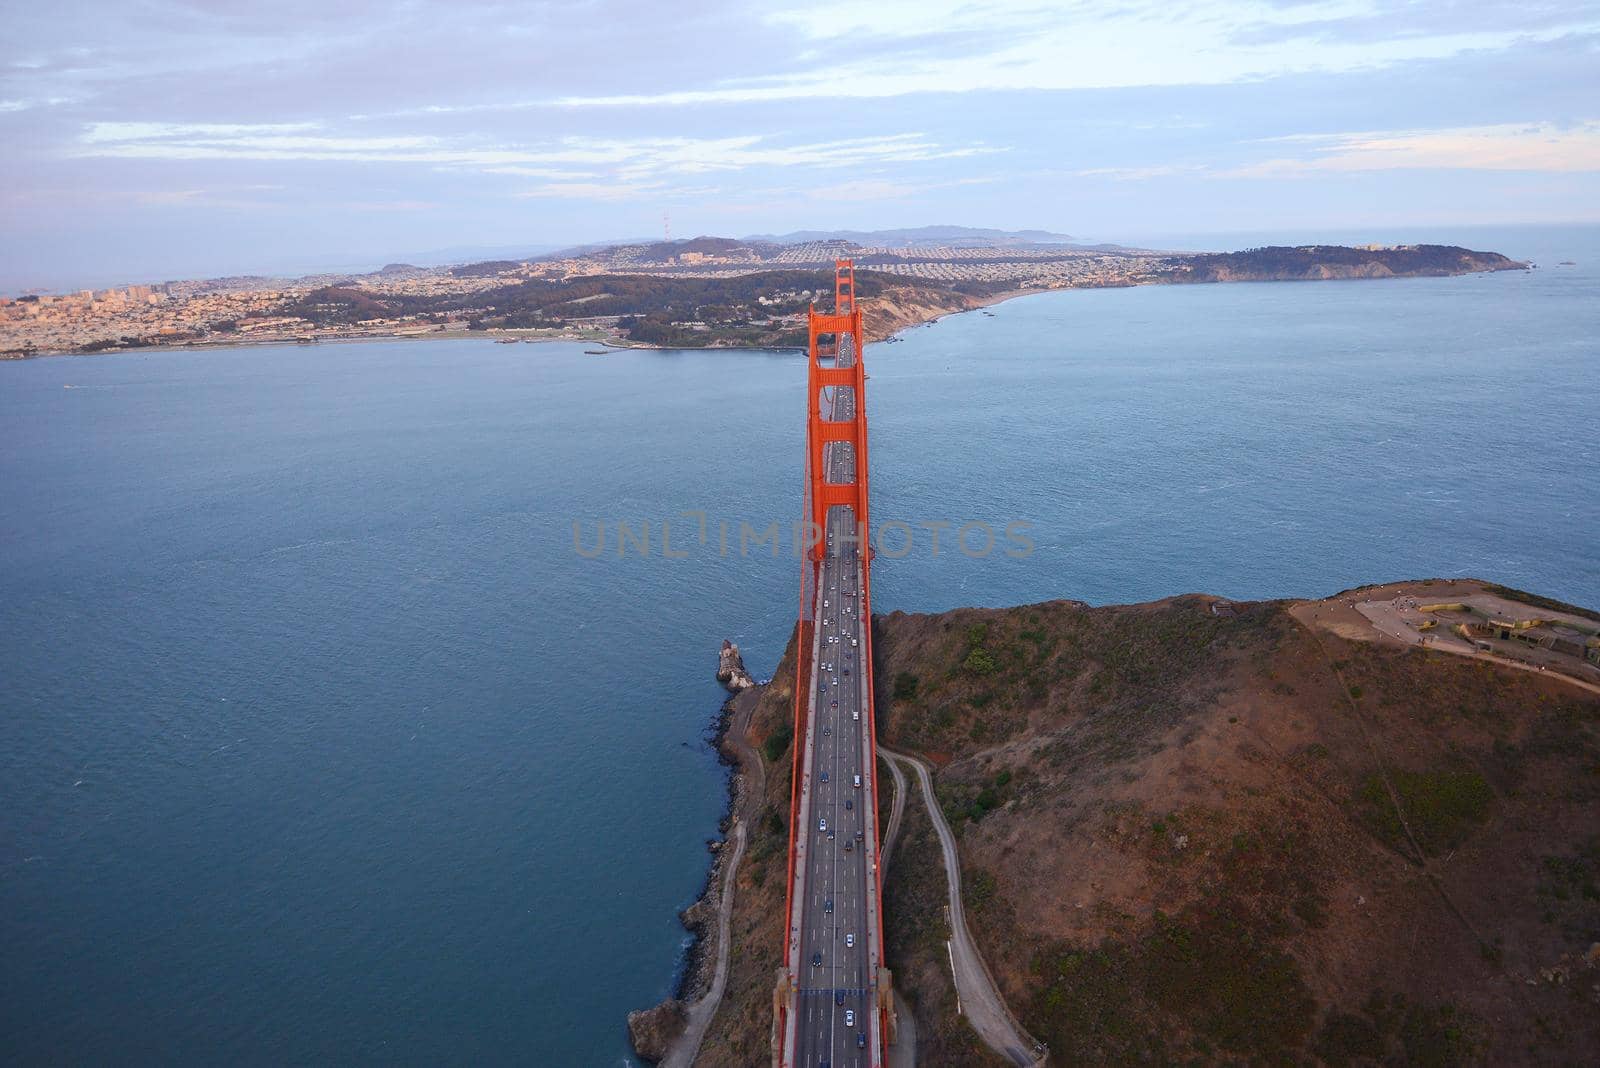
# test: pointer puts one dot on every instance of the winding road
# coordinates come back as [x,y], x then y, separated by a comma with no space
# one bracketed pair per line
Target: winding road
[897,809]
[980,998]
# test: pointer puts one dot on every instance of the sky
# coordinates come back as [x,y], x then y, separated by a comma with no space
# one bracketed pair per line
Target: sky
[152,139]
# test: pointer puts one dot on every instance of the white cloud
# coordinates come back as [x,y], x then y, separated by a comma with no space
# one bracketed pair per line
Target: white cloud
[956,46]
[558,173]
[1138,174]
[591,191]
[31,104]
[629,160]
[1534,147]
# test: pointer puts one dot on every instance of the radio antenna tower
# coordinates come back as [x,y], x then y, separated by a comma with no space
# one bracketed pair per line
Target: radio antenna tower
[666,226]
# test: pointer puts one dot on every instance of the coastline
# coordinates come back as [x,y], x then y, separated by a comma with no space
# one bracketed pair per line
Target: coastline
[670,1031]
[918,318]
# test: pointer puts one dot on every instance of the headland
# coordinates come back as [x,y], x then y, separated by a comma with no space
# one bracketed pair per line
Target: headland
[1197,828]
[704,293]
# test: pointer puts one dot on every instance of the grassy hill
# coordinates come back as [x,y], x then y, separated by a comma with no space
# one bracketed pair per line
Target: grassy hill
[1192,834]
[1187,835]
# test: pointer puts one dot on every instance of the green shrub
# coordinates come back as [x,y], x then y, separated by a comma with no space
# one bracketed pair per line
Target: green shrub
[1441,807]
[980,662]
[777,742]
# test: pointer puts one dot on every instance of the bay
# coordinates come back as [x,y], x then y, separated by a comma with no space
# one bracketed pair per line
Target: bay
[321,740]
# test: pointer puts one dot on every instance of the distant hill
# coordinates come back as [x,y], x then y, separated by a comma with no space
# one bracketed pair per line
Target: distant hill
[950,236]
[666,251]
[1278,263]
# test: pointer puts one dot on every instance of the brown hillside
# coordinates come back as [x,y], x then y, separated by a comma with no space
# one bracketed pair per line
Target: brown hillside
[1190,835]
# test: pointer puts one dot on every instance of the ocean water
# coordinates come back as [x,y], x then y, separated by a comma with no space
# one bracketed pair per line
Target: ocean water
[320,740]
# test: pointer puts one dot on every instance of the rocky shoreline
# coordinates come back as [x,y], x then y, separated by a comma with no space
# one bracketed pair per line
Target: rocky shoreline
[655,1030]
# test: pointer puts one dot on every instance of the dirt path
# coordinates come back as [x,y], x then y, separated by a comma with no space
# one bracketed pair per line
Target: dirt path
[751,795]
[684,1051]
[980,998]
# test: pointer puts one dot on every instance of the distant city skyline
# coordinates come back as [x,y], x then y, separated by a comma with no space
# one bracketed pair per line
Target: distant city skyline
[165,139]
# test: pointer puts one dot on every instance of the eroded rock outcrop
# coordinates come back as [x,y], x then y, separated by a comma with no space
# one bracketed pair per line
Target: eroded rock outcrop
[730,669]
[653,1030]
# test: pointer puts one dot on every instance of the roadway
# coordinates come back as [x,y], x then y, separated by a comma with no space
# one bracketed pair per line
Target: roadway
[977,994]
[836,965]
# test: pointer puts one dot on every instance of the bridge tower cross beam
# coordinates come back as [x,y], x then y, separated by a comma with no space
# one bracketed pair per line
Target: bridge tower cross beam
[834,361]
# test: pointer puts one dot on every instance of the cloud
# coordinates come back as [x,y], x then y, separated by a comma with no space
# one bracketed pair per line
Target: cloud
[592,191]
[959,46]
[115,132]
[628,159]
[1139,174]
[32,104]
[520,171]
[1533,147]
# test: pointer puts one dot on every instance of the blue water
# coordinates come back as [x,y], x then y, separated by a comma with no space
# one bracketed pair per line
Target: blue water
[319,741]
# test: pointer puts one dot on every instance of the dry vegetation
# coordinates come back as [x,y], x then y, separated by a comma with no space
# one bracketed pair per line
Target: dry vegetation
[1191,838]
[1188,836]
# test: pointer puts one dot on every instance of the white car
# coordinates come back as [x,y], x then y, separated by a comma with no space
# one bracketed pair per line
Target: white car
[858,782]
[856,715]
[849,1018]
[850,941]
[822,824]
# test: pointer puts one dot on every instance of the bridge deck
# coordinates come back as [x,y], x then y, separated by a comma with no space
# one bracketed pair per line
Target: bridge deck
[836,947]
